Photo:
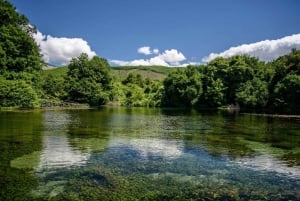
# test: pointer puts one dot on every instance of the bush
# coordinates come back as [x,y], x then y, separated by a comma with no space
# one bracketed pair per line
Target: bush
[16,93]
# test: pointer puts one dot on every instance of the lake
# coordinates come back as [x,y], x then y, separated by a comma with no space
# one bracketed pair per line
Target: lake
[148,154]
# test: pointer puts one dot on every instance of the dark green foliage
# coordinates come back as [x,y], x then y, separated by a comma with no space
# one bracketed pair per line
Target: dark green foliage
[20,61]
[9,16]
[287,93]
[183,87]
[213,86]
[133,79]
[253,94]
[88,81]
[139,92]
[238,80]
[232,72]
[53,87]
[223,77]
[134,96]
[242,80]
[16,93]
[285,85]
[18,50]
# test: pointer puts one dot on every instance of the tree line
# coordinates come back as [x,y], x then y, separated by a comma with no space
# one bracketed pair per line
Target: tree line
[240,80]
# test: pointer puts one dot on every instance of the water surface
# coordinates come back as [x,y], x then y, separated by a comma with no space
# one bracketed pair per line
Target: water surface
[147,154]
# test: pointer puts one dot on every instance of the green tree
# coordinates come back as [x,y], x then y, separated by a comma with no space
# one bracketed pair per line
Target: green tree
[182,87]
[239,72]
[89,80]
[18,50]
[226,75]
[16,93]
[20,60]
[284,65]
[253,94]
[134,79]
[134,96]
[140,92]
[53,87]
[213,86]
[214,93]
[284,81]
[287,94]
[154,92]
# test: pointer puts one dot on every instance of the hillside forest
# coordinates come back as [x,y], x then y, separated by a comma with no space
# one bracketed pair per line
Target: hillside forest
[239,81]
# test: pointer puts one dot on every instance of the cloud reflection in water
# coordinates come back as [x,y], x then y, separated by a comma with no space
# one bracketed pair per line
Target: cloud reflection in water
[266,162]
[57,153]
[152,147]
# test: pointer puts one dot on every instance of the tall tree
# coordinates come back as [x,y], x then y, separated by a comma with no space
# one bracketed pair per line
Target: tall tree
[287,94]
[284,86]
[213,87]
[183,87]
[20,60]
[253,94]
[89,80]
[18,50]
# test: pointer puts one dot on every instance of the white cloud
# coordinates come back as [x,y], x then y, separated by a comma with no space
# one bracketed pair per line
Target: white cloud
[266,50]
[167,58]
[61,50]
[155,61]
[172,56]
[144,50]
[155,51]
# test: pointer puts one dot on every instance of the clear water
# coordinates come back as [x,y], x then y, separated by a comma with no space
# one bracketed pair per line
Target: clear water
[147,154]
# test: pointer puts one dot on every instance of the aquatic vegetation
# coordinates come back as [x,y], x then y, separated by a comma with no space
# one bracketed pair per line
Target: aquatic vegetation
[102,185]
[137,154]
[28,161]
[89,144]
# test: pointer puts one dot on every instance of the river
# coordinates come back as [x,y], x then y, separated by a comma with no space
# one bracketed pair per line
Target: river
[148,154]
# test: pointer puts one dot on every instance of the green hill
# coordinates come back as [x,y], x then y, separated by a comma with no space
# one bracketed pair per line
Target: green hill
[157,69]
[152,72]
[121,72]
[56,71]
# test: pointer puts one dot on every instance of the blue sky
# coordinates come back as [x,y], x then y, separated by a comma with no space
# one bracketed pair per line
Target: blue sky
[170,32]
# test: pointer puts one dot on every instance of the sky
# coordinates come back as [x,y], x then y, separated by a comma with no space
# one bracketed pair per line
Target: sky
[162,32]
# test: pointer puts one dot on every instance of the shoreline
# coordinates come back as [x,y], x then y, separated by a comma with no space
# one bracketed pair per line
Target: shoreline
[287,116]
[76,106]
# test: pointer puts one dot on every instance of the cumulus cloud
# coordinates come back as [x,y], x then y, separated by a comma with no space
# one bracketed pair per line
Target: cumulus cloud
[155,61]
[155,51]
[144,50]
[168,58]
[61,50]
[266,50]
[172,56]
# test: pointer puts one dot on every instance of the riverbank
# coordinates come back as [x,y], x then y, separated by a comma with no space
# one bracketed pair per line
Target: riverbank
[55,105]
[50,105]
[275,115]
